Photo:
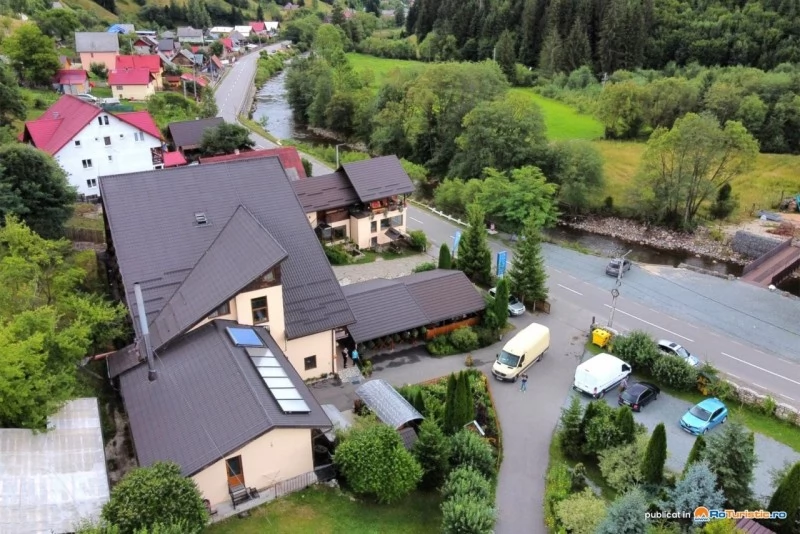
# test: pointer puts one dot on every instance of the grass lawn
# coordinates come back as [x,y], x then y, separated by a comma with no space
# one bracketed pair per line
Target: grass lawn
[37,101]
[102,92]
[78,220]
[323,510]
[381,67]
[102,13]
[562,121]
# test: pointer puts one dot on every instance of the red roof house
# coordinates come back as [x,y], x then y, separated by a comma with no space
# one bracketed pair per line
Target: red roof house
[288,155]
[150,62]
[132,84]
[199,80]
[71,82]
[258,27]
[174,159]
[89,142]
[227,44]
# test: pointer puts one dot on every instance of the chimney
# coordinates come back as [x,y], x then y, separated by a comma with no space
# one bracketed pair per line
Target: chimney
[145,331]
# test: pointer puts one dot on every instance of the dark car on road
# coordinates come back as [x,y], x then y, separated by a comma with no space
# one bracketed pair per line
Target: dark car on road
[613,267]
[638,395]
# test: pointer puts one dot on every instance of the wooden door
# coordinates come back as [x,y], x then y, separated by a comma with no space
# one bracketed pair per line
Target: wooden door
[235,473]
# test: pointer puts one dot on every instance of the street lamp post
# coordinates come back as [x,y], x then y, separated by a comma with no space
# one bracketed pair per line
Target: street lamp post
[615,291]
[337,153]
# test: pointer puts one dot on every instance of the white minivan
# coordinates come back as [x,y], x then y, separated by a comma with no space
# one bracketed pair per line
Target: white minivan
[599,374]
[521,351]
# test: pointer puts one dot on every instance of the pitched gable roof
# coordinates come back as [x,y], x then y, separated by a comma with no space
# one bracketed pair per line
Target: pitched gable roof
[130,77]
[227,43]
[378,178]
[142,120]
[188,31]
[152,225]
[71,76]
[288,155]
[61,122]
[258,26]
[151,62]
[96,42]
[166,45]
[325,192]
[190,133]
[242,251]
[208,401]
[174,159]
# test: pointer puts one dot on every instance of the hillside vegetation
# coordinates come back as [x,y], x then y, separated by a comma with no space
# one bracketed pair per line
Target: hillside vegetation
[90,6]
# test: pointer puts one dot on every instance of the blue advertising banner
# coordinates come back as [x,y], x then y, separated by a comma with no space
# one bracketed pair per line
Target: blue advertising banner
[456,240]
[501,263]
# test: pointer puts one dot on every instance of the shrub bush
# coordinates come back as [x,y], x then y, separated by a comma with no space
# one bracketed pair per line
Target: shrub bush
[621,466]
[581,513]
[557,485]
[599,428]
[638,349]
[486,336]
[675,372]
[468,449]
[422,267]
[440,346]
[337,255]
[464,339]
[466,516]
[466,482]
[419,241]
[432,451]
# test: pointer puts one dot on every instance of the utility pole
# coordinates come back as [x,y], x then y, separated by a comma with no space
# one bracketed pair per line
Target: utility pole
[337,154]
[615,291]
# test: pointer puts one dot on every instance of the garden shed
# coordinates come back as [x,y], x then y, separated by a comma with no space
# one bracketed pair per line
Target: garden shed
[387,404]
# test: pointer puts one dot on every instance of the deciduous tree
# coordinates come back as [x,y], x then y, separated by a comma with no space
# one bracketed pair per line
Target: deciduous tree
[731,456]
[474,255]
[515,198]
[12,104]
[527,275]
[375,463]
[581,513]
[33,55]
[578,170]
[621,466]
[156,494]
[226,138]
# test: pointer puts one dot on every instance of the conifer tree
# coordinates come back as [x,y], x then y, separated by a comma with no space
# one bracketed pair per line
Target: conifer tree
[449,419]
[432,451]
[655,456]
[626,424]
[474,255]
[731,456]
[465,405]
[696,453]
[787,499]
[500,304]
[527,276]
[570,432]
[445,261]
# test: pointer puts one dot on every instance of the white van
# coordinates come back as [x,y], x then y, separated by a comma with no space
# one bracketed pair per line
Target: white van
[521,351]
[597,375]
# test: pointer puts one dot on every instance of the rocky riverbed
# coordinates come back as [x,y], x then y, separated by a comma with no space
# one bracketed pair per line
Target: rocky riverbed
[701,243]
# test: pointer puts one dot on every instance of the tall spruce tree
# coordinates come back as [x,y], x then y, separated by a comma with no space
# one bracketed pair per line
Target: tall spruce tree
[570,431]
[731,456]
[500,304]
[696,453]
[577,51]
[787,499]
[626,424]
[474,255]
[527,276]
[506,55]
[445,261]
[260,13]
[449,423]
[655,456]
[552,52]
[432,451]
[465,405]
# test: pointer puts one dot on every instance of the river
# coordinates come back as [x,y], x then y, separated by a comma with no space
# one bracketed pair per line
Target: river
[271,103]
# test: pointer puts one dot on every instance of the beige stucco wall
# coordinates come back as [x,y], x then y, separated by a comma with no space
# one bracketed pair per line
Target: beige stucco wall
[133,92]
[277,325]
[278,455]
[321,345]
[361,232]
[312,219]
[109,59]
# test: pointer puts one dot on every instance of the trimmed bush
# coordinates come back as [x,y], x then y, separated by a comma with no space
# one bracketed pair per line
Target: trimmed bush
[466,482]
[445,261]
[440,346]
[418,239]
[471,450]
[337,255]
[464,339]
[422,267]
[626,424]
[638,349]
[675,372]
[621,466]
[466,516]
[432,451]
[787,498]
[581,513]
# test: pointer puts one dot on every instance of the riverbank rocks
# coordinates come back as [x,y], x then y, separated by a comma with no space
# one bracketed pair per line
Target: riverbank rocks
[753,245]
[699,244]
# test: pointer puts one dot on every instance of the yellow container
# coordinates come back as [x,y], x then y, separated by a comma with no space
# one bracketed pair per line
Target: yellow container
[600,337]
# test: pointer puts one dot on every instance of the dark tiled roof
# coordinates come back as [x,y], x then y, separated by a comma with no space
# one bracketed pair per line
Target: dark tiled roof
[444,294]
[242,251]
[384,307]
[378,178]
[325,192]
[190,133]
[208,401]
[157,242]
[751,527]
[166,45]
[122,360]
[382,311]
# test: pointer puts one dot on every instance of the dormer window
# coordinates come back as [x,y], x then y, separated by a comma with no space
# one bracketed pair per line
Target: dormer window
[200,218]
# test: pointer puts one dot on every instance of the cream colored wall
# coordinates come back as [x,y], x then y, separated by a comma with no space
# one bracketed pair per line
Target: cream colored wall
[321,345]
[312,219]
[134,92]
[361,232]
[277,325]
[278,455]
[342,224]
[109,59]
[229,316]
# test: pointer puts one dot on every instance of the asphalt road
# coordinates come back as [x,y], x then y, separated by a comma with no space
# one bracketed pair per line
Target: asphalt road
[726,323]
[771,454]
[232,93]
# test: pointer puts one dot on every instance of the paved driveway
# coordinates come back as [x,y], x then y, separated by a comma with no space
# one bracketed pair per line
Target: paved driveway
[669,410]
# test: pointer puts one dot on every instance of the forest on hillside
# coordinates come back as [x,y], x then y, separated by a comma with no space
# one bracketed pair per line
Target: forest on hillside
[610,35]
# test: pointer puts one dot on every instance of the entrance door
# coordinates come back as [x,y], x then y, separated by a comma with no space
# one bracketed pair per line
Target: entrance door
[235,473]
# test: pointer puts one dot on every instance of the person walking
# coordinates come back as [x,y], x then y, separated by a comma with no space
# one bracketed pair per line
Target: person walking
[344,356]
[623,385]
[523,385]
[354,357]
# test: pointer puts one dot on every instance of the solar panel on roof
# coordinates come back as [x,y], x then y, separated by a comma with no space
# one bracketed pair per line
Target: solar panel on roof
[266,362]
[256,351]
[286,394]
[244,337]
[294,406]
[278,383]
[271,372]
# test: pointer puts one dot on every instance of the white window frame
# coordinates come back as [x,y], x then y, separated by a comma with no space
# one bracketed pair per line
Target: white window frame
[87,163]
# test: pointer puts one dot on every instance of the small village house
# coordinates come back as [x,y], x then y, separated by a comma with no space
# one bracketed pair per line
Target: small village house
[71,82]
[97,47]
[132,84]
[145,44]
[88,142]
[150,62]
[189,35]
[187,135]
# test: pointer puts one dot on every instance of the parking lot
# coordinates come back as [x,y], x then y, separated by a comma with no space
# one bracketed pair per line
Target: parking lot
[669,410]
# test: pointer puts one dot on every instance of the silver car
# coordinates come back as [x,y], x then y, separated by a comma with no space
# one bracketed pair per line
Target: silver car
[673,349]
[613,267]
[515,307]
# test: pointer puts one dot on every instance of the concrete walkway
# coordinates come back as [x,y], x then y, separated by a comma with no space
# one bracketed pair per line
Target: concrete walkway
[380,268]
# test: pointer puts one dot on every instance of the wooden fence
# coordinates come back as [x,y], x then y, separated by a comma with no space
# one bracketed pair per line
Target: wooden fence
[446,329]
[91,235]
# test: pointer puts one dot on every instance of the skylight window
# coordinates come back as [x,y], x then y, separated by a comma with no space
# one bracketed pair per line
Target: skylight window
[244,337]
[271,370]
[200,218]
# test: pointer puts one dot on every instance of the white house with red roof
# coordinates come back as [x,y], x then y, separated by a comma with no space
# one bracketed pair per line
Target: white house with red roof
[132,84]
[151,62]
[88,142]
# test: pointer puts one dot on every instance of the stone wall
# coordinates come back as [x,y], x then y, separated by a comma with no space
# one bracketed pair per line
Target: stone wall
[750,397]
[753,245]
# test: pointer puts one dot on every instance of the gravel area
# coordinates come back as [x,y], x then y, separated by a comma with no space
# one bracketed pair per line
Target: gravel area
[380,268]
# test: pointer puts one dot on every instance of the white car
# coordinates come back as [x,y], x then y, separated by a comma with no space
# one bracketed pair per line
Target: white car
[88,98]
[673,349]
[515,307]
